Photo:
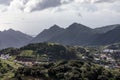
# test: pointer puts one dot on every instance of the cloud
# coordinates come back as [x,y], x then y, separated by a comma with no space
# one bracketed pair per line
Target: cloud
[17,4]
[39,5]
[8,23]
[95,1]
[66,1]
[101,1]
[34,5]
[115,7]
[5,2]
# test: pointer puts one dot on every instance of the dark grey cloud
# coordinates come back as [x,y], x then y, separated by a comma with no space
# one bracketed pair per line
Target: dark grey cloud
[5,2]
[44,4]
[38,5]
[101,1]
[47,4]
[66,1]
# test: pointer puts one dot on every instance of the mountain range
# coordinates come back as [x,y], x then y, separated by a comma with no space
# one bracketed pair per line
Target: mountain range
[75,34]
[12,38]
[78,34]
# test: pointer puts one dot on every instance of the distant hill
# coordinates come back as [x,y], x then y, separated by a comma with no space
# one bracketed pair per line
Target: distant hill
[46,51]
[12,38]
[53,51]
[114,46]
[106,28]
[110,37]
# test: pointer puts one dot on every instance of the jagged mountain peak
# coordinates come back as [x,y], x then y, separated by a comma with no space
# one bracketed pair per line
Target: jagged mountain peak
[55,27]
[9,30]
[78,26]
[75,24]
[47,34]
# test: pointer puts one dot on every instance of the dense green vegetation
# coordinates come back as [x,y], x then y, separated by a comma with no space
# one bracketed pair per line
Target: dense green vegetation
[7,68]
[54,51]
[66,70]
[11,51]
[27,53]
[63,63]
[4,68]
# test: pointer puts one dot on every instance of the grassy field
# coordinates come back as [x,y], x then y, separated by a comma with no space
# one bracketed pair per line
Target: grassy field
[27,53]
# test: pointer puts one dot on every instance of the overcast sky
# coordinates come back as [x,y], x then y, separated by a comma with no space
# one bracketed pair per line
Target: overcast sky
[32,16]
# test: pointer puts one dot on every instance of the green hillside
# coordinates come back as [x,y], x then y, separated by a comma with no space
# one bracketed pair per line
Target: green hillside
[57,62]
[66,70]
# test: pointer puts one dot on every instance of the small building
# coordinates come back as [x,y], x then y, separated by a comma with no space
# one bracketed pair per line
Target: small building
[27,61]
[111,51]
[7,56]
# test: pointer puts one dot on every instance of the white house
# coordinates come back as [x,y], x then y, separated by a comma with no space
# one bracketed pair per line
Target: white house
[7,56]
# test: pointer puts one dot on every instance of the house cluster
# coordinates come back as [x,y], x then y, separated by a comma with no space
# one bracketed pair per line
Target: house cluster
[27,61]
[30,61]
[111,51]
[5,56]
[107,58]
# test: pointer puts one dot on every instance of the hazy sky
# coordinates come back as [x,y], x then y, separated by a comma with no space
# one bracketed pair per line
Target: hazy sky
[32,16]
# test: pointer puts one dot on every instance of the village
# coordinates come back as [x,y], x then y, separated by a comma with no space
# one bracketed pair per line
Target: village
[26,60]
[108,58]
